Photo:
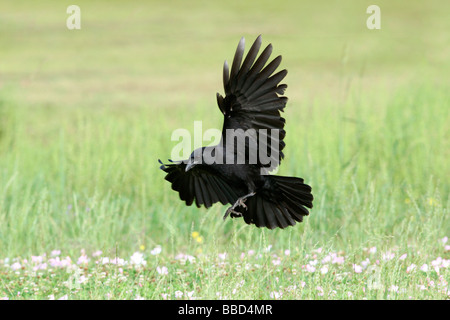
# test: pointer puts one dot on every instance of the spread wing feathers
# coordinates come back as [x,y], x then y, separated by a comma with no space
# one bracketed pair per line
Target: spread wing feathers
[253,96]
[198,186]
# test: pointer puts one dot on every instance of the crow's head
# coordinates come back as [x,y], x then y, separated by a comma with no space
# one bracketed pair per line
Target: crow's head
[196,158]
[205,156]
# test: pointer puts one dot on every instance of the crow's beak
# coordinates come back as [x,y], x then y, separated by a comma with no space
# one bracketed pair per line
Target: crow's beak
[189,166]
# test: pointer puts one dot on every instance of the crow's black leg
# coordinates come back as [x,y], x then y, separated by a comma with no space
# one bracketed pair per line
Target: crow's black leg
[239,203]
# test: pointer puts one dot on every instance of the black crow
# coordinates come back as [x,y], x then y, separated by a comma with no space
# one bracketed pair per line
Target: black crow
[236,170]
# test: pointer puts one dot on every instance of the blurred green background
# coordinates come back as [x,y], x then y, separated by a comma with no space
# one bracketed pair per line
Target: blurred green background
[85,114]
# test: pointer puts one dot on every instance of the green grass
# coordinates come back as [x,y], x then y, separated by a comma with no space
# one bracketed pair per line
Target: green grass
[84,116]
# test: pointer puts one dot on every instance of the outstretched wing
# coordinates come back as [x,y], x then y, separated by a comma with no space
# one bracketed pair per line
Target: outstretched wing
[253,100]
[199,186]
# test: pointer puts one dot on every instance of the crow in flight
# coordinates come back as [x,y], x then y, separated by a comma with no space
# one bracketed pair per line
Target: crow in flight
[237,174]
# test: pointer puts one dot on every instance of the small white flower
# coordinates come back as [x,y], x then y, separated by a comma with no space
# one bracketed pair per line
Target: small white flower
[118,261]
[421,287]
[97,253]
[83,259]
[105,260]
[320,291]
[388,256]
[310,268]
[393,288]
[276,295]
[162,270]
[324,269]
[83,279]
[365,263]
[313,262]
[223,256]
[357,268]
[138,259]
[16,266]
[276,262]
[411,268]
[185,257]
[156,251]
[55,253]
[437,262]
[338,260]
[36,259]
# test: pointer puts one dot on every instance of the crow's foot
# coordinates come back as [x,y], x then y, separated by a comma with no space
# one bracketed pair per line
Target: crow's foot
[239,203]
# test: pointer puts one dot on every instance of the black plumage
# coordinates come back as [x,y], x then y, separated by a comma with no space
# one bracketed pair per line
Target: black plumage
[252,103]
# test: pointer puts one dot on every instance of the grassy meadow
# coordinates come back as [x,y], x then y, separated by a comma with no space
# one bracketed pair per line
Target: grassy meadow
[85,114]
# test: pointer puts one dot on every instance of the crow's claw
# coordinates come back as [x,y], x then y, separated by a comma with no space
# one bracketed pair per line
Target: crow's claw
[239,203]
